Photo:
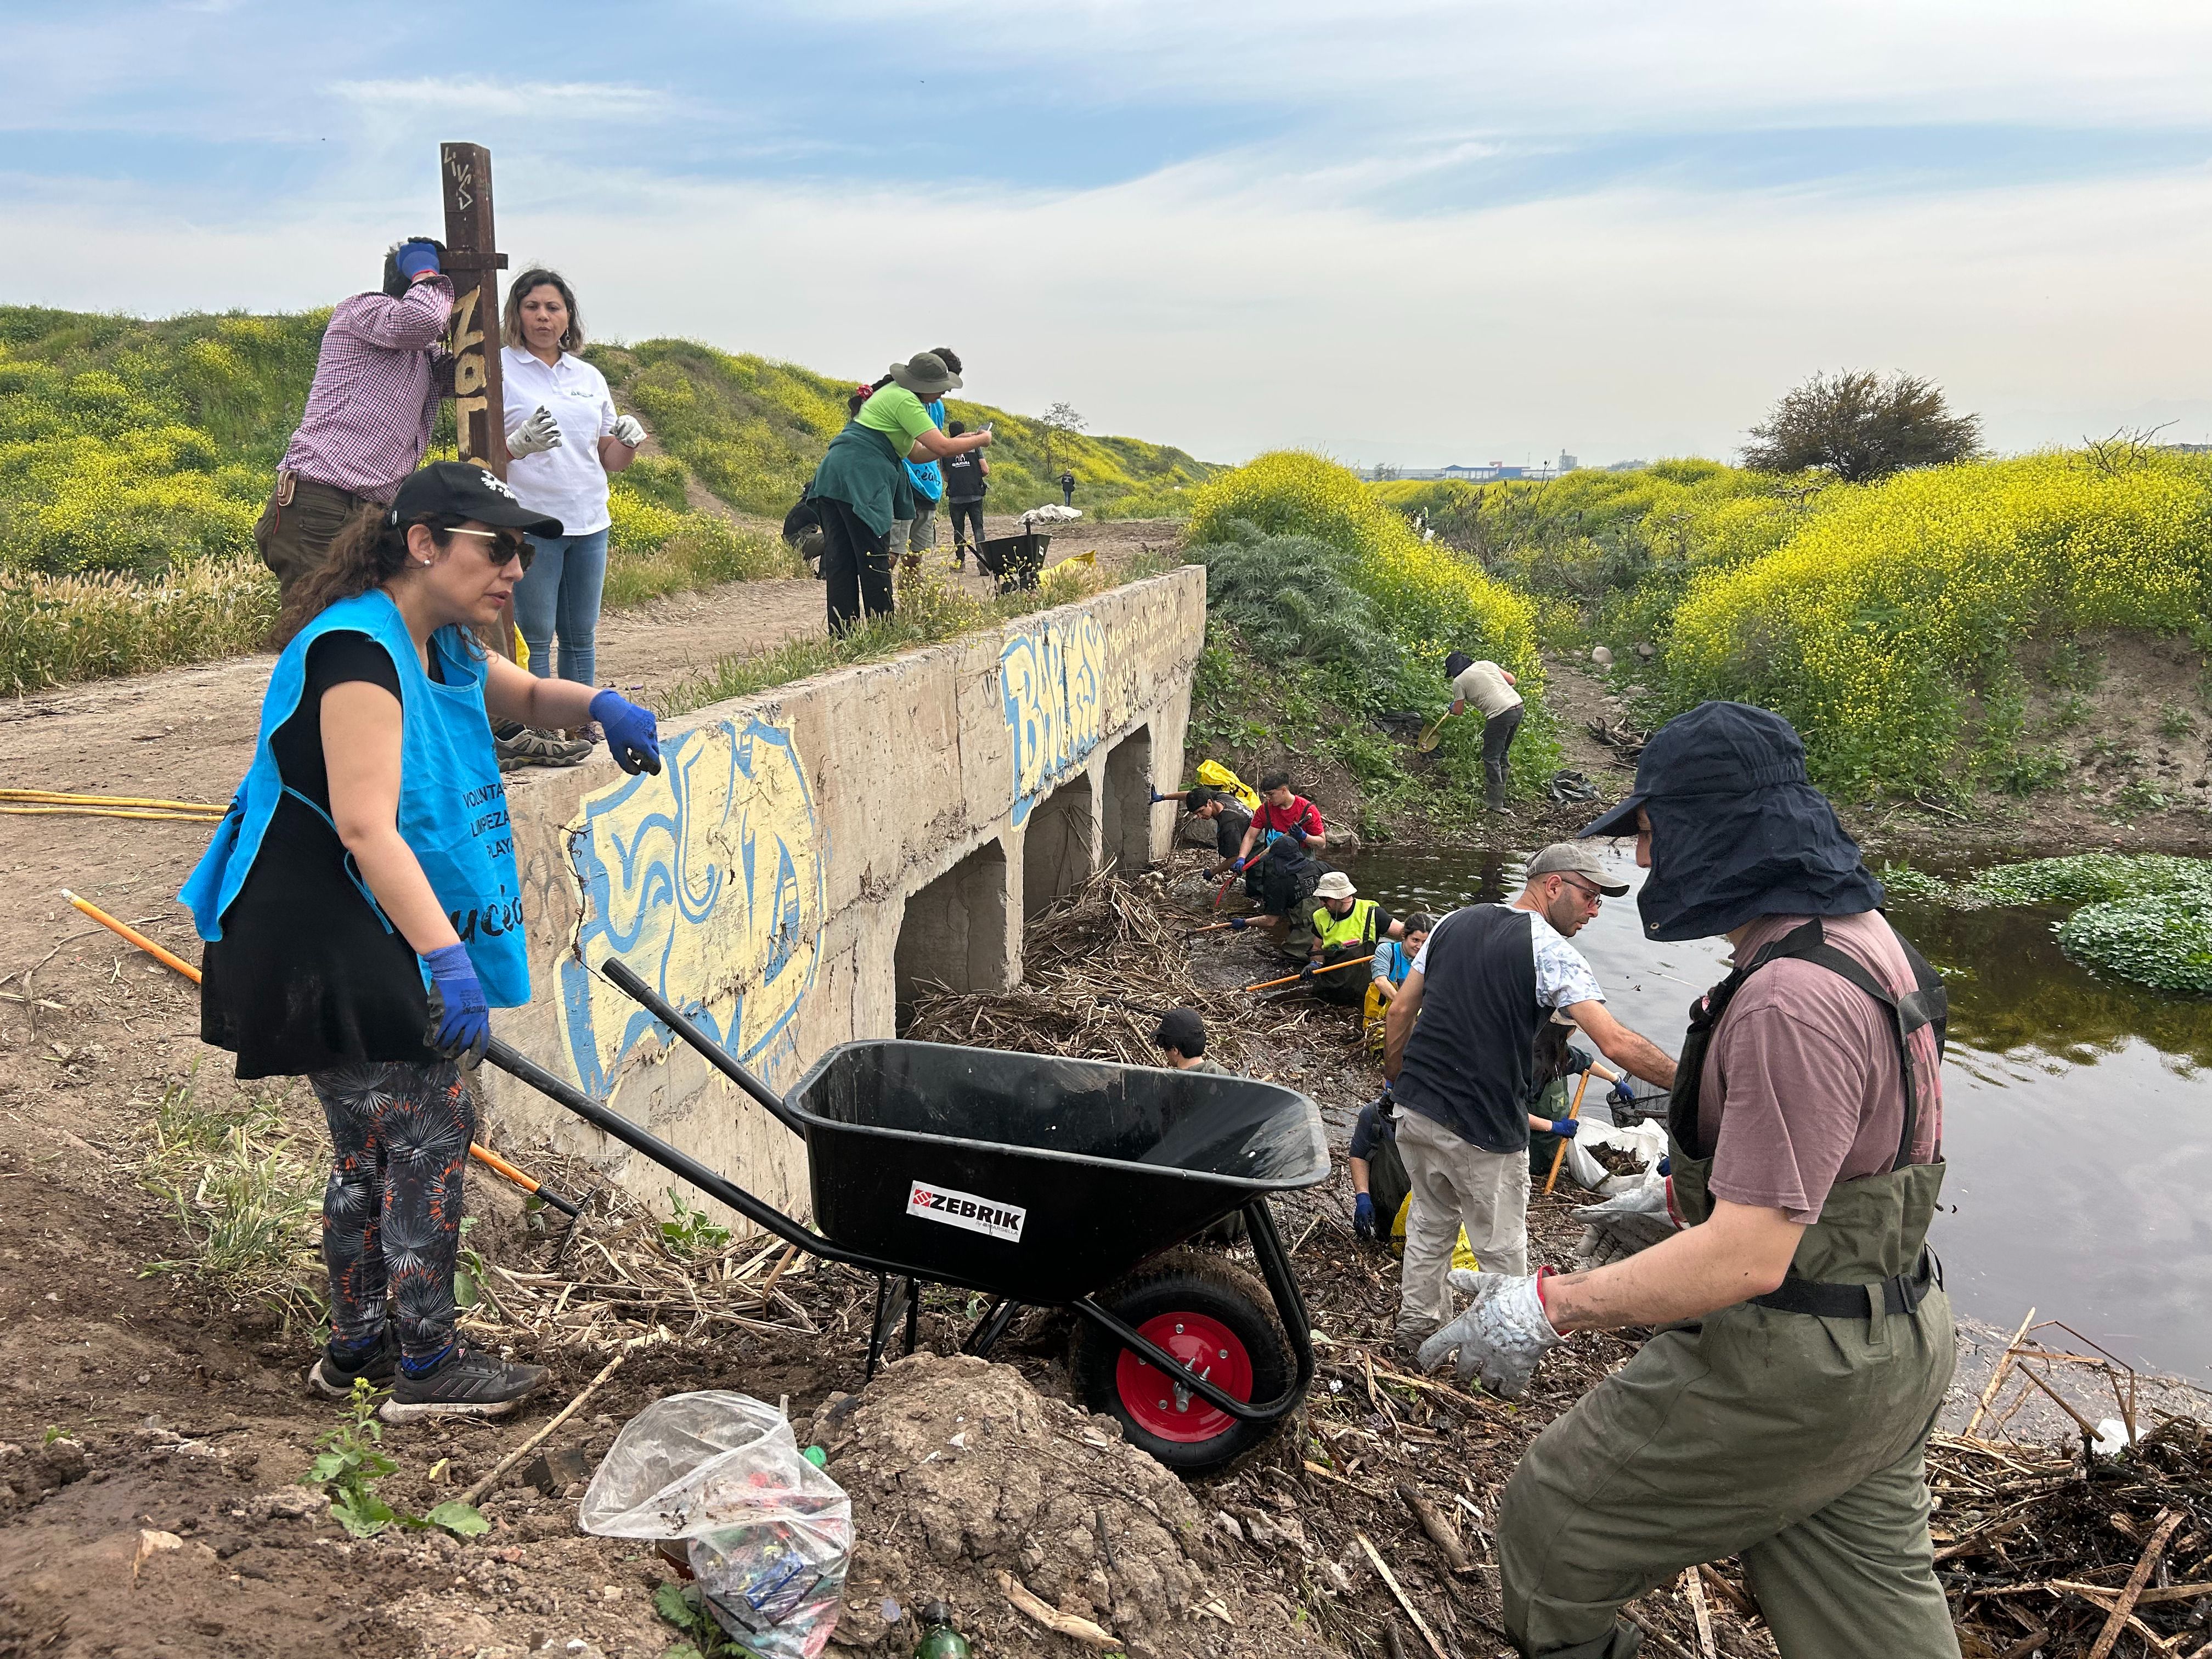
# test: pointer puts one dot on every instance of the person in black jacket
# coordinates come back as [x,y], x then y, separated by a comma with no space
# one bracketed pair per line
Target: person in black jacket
[967,480]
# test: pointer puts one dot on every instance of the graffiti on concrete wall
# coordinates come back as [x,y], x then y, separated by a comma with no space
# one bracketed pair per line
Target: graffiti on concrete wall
[1052,678]
[708,882]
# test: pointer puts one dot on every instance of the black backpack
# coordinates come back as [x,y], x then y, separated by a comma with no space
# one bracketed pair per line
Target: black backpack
[1388,1184]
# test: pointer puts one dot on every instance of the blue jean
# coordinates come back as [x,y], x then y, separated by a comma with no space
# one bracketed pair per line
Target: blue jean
[560,593]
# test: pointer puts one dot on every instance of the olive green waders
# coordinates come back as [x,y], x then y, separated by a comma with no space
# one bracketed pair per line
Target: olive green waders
[1794,1440]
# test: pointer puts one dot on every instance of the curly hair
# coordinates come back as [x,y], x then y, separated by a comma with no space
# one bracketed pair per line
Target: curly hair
[369,551]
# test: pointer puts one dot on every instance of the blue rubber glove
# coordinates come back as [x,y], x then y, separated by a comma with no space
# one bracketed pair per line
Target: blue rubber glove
[1237,924]
[415,258]
[633,738]
[1666,1166]
[1238,867]
[1306,974]
[460,1018]
[1363,1215]
[1564,1127]
[1621,1095]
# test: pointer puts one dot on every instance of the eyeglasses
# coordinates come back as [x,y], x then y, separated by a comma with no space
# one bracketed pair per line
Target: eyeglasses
[1589,893]
[509,546]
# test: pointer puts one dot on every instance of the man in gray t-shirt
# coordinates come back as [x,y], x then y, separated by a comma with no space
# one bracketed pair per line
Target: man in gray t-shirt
[1491,689]
[1459,1047]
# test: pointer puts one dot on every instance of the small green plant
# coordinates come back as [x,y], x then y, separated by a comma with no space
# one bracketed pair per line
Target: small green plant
[2163,940]
[468,1269]
[348,1463]
[2067,713]
[681,1604]
[2175,722]
[2028,770]
[2141,796]
[2071,668]
[692,1232]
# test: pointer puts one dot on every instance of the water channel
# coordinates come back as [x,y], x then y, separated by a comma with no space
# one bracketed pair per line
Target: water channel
[2077,1110]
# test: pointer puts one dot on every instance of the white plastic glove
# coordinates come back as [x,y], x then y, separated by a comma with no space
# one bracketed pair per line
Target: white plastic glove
[1634,1220]
[1499,1339]
[628,429]
[536,435]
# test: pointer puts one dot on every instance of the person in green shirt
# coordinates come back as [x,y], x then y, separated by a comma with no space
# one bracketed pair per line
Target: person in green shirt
[861,485]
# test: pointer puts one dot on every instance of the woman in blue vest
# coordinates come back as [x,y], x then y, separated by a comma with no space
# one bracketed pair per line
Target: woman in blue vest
[362,913]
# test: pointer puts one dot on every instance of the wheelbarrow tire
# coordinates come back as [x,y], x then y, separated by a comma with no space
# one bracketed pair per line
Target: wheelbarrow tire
[1217,1305]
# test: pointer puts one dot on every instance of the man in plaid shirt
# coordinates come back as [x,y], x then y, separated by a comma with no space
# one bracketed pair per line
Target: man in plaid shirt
[379,380]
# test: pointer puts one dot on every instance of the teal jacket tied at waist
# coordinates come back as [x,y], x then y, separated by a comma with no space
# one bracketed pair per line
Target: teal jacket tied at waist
[862,469]
[453,804]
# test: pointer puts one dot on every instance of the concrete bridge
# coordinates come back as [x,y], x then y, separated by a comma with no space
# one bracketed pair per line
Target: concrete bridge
[808,854]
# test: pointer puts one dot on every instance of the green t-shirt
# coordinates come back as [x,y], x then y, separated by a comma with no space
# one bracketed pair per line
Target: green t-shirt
[898,415]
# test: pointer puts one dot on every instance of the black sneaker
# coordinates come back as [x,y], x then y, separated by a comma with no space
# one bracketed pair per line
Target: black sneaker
[334,1375]
[465,1383]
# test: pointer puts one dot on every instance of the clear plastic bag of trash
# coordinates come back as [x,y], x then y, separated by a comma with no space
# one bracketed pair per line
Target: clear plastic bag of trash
[769,1534]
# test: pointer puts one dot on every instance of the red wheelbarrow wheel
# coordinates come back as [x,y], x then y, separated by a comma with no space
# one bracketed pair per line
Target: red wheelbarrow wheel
[1216,1319]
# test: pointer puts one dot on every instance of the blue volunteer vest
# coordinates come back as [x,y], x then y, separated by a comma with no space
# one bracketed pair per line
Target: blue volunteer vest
[453,805]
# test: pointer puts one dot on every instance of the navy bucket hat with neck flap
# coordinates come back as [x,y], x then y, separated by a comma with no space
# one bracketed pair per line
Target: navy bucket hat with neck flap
[1737,831]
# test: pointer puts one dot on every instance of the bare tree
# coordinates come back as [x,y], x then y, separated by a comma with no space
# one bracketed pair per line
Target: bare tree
[1061,421]
[1860,426]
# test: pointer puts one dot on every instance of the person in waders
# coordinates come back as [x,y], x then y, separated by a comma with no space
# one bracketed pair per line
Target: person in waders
[362,911]
[1782,1414]
[1342,929]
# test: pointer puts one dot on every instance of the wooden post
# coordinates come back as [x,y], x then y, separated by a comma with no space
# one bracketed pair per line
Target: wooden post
[472,261]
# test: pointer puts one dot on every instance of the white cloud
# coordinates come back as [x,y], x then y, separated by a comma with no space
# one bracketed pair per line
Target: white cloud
[557,102]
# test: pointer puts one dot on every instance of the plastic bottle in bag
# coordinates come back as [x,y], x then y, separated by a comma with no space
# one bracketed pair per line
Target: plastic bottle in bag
[768,1535]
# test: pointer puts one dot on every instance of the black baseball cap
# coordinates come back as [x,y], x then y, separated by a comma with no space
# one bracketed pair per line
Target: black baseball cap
[1183,1030]
[462,489]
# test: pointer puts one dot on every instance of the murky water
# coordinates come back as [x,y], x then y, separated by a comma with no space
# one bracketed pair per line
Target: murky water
[2077,1111]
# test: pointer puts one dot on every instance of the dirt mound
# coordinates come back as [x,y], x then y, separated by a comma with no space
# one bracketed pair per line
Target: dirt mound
[969,1486]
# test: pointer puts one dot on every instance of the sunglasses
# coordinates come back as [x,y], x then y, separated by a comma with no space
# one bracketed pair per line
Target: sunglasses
[509,546]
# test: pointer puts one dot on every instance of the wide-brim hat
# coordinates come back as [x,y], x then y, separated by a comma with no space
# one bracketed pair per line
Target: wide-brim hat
[462,489]
[925,375]
[1335,885]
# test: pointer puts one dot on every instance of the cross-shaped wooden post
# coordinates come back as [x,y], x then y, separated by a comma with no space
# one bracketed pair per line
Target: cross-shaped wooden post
[479,415]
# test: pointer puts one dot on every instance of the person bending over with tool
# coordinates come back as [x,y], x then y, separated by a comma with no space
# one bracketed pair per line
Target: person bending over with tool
[1459,1045]
[1343,928]
[1490,689]
[1782,1413]
[1286,830]
[1556,1094]
[362,912]
[380,377]
[1230,822]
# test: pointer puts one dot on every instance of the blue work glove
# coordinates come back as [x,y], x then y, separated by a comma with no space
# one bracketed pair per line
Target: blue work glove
[1306,975]
[633,738]
[460,1018]
[1565,1126]
[1666,1166]
[1238,867]
[1237,924]
[1621,1094]
[1363,1215]
[415,258]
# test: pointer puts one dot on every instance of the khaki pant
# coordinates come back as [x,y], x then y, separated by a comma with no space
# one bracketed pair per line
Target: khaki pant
[1456,1184]
[1795,1441]
[295,538]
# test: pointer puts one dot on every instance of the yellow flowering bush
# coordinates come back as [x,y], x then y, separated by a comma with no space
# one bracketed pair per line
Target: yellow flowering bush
[1871,627]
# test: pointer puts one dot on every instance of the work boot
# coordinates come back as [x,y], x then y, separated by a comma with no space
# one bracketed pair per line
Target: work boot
[465,1383]
[334,1373]
[529,747]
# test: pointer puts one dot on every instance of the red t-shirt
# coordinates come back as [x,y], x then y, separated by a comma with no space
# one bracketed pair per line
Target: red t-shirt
[1800,1085]
[1300,817]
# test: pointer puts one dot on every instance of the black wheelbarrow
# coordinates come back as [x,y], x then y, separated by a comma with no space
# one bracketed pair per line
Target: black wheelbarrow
[1045,1182]
[1016,562]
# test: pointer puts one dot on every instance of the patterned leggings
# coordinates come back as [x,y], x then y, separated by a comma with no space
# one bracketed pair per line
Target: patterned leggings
[391,1212]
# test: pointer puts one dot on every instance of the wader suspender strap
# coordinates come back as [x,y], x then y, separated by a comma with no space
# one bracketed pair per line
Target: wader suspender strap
[1925,1004]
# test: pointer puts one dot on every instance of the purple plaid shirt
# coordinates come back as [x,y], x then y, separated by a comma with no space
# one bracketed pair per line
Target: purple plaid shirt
[377,389]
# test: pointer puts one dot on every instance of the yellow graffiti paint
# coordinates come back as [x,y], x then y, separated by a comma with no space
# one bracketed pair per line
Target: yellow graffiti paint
[1052,679]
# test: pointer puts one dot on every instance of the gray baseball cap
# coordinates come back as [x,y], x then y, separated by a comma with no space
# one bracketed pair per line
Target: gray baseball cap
[1575,858]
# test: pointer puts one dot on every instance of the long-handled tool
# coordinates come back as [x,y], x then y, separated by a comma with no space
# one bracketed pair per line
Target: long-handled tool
[1427,741]
[1559,1153]
[489,1159]
[35,802]
[1291,979]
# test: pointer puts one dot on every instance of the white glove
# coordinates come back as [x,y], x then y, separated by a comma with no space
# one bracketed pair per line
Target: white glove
[1634,1220]
[1499,1339]
[539,433]
[628,429]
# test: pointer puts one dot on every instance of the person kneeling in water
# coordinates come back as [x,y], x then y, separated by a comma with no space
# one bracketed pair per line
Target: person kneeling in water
[362,911]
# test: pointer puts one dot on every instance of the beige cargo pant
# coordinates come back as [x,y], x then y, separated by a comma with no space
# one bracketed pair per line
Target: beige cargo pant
[1456,1184]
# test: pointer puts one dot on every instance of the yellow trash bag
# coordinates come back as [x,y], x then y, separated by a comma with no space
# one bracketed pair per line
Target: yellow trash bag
[1214,775]
[1463,1252]
[1371,1018]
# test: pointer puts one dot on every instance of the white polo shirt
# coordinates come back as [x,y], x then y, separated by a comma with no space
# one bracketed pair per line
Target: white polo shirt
[568,482]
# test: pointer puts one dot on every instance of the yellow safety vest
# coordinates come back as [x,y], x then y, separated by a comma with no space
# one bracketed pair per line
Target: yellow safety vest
[1355,926]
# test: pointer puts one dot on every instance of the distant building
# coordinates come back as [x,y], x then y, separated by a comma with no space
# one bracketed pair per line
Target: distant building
[1568,462]
[1493,472]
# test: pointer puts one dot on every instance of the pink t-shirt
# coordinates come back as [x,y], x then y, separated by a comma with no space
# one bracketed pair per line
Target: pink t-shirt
[1802,1083]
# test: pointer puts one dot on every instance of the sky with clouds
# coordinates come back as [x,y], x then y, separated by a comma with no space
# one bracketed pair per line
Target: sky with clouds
[1400,230]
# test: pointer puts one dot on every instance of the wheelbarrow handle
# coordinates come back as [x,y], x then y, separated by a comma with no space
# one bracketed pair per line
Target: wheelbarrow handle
[625,980]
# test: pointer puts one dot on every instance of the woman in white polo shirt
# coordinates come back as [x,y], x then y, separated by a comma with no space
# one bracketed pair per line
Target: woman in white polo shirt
[565,439]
